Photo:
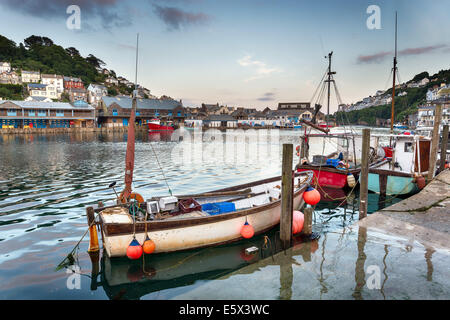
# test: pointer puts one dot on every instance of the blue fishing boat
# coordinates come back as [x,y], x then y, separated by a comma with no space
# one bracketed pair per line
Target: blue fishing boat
[402,173]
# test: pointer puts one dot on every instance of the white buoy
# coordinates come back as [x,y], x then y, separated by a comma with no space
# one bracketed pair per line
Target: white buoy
[351,180]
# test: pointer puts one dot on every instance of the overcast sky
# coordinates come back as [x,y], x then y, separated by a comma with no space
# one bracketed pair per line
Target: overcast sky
[250,53]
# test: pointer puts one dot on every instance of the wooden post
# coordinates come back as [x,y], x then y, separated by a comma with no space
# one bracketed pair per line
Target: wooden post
[364,175]
[303,149]
[95,260]
[307,224]
[383,183]
[93,236]
[286,197]
[444,148]
[435,141]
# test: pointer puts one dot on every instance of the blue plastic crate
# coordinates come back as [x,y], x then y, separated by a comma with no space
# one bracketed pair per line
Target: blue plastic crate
[225,207]
[210,208]
[218,207]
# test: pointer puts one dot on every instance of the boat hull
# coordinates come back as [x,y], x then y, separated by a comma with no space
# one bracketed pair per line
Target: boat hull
[329,177]
[201,235]
[396,185]
[157,127]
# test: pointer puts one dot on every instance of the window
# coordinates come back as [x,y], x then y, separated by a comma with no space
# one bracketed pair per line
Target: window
[179,114]
[114,112]
[60,113]
[170,113]
[11,112]
[31,113]
[156,113]
[409,147]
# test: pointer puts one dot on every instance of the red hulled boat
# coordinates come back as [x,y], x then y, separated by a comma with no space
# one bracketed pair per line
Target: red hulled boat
[328,176]
[155,125]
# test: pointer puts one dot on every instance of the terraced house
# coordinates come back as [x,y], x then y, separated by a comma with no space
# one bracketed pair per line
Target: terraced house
[36,114]
[115,111]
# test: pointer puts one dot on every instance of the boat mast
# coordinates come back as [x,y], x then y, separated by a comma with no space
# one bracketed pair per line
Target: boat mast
[129,159]
[393,81]
[329,84]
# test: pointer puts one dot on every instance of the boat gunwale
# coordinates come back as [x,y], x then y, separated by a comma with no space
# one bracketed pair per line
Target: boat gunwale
[327,169]
[374,170]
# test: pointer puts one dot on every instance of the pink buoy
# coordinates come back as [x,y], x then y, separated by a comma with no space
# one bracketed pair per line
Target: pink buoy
[247,231]
[299,219]
[134,250]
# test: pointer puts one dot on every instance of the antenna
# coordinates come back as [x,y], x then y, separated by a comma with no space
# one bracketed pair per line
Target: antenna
[395,34]
[137,50]
[394,69]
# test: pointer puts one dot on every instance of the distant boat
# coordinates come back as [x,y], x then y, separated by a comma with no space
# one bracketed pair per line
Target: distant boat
[155,125]
[323,124]
[400,126]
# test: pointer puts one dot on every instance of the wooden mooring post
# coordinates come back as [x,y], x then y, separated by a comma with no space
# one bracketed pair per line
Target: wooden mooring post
[307,223]
[364,175]
[444,148]
[286,197]
[434,142]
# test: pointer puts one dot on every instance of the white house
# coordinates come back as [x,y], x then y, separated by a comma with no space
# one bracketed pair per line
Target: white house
[5,67]
[55,83]
[9,78]
[112,81]
[423,82]
[96,92]
[42,90]
[432,94]
[31,76]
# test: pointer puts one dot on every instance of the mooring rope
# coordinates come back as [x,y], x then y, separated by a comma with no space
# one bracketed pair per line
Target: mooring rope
[162,171]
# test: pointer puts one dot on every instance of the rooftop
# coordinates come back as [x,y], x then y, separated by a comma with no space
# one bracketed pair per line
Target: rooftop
[126,103]
[50,105]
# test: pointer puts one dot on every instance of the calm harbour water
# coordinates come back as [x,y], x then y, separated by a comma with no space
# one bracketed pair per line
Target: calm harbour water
[47,181]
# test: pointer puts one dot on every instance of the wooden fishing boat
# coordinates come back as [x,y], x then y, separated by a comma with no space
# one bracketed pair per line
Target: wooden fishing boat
[258,203]
[338,169]
[400,174]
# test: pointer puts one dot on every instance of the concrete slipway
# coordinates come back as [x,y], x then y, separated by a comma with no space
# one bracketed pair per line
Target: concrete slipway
[400,252]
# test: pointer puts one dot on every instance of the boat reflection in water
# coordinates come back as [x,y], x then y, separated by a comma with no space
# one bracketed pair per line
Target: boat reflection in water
[156,136]
[122,278]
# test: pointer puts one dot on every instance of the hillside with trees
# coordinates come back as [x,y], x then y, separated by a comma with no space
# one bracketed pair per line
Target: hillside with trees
[40,53]
[404,105]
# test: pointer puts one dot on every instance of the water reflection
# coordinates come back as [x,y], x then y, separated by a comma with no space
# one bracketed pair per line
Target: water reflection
[125,279]
[428,254]
[46,182]
[360,275]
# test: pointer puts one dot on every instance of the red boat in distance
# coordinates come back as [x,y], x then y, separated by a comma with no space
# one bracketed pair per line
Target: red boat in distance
[323,124]
[155,125]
